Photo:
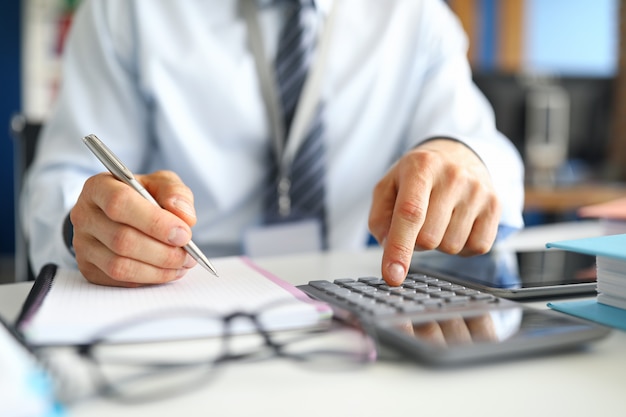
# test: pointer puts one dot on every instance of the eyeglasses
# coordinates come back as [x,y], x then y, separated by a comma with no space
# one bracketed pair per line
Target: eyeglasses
[145,371]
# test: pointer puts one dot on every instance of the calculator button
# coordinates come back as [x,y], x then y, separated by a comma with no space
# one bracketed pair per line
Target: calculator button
[418,296]
[353,296]
[415,285]
[456,287]
[418,277]
[354,285]
[429,290]
[339,291]
[483,297]
[442,294]
[458,299]
[401,291]
[385,287]
[467,291]
[366,289]
[426,279]
[371,280]
[323,285]
[380,295]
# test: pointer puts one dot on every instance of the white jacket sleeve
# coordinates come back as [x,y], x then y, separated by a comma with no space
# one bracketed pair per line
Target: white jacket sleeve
[96,62]
[450,105]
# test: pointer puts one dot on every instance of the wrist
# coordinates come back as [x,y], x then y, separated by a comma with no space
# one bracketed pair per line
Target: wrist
[449,145]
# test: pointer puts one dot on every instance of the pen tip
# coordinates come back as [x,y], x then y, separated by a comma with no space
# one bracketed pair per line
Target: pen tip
[210,268]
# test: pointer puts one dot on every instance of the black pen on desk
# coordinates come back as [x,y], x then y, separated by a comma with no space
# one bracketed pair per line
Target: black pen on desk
[122,173]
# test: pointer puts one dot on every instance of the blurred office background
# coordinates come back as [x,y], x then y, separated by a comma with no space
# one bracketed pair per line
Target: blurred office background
[550,69]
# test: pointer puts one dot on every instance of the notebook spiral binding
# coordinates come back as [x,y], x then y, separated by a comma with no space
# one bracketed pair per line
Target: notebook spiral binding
[42,285]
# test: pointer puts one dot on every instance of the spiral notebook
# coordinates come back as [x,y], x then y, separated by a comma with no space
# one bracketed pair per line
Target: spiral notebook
[64,308]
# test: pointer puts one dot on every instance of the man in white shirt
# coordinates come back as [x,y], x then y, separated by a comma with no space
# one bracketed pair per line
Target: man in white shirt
[173,89]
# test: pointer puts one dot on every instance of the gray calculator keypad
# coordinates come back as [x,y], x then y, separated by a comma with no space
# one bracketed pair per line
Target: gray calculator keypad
[418,293]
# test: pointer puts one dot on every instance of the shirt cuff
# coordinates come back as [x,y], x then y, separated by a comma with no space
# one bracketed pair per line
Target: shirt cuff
[68,234]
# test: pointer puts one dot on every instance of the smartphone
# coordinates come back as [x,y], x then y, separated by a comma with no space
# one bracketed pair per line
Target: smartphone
[511,274]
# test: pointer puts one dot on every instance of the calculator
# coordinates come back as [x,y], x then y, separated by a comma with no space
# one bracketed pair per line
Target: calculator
[439,322]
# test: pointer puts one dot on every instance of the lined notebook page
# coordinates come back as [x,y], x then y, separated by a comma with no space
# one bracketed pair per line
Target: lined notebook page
[74,309]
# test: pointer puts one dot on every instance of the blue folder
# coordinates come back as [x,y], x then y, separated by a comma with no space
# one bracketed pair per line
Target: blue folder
[611,246]
[594,311]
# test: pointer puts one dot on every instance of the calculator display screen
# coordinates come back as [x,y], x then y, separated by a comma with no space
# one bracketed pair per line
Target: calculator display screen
[511,270]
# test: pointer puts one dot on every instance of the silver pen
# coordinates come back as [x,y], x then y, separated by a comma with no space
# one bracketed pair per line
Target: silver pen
[122,173]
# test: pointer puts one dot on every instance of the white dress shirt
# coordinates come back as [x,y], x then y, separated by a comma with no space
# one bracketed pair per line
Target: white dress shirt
[173,85]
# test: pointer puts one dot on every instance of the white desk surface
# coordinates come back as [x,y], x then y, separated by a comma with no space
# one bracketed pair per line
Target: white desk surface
[583,383]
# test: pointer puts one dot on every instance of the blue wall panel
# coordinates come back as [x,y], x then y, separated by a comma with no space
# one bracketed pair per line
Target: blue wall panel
[9,104]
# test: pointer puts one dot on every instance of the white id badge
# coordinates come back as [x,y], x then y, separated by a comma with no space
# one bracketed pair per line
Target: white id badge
[283,238]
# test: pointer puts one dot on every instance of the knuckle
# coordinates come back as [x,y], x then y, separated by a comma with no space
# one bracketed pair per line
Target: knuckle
[119,268]
[77,218]
[160,227]
[372,223]
[91,184]
[494,206]
[84,266]
[479,244]
[451,246]
[174,184]
[457,174]
[88,270]
[481,247]
[116,204]
[400,251]
[380,188]
[411,210]
[427,241]
[376,220]
[122,241]
[489,209]
[478,191]
[174,258]
[421,157]
[167,175]
[478,248]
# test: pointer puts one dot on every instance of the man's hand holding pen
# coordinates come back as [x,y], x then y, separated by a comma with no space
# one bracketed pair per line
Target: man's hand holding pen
[121,239]
[130,231]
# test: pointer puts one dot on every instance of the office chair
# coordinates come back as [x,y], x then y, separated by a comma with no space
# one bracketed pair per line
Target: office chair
[24,133]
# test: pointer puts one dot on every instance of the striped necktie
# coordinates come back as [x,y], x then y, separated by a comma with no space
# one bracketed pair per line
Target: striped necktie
[301,194]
